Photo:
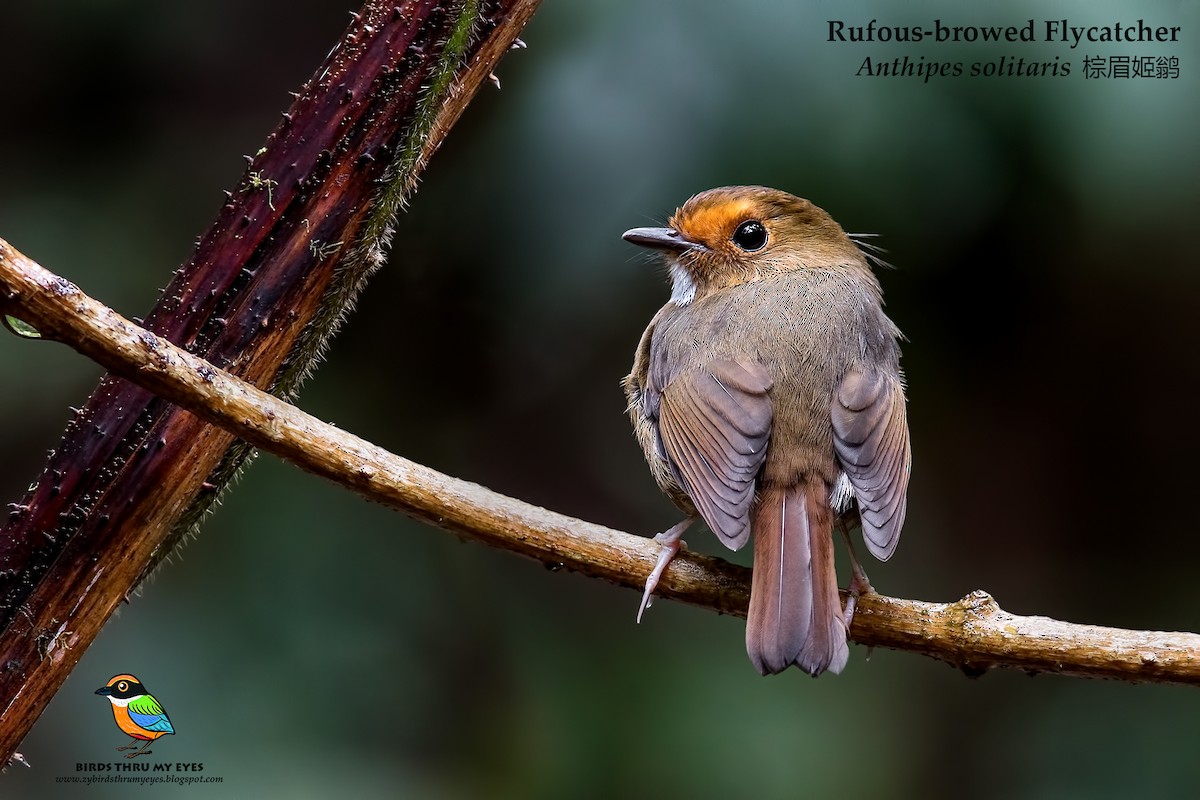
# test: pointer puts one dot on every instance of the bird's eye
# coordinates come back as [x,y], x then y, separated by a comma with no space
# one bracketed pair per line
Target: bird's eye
[750,236]
[122,686]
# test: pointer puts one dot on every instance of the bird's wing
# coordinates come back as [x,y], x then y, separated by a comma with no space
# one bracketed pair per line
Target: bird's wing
[870,437]
[714,423]
[146,712]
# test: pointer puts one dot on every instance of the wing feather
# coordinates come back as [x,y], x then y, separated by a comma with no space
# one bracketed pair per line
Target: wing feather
[870,432]
[715,423]
[146,712]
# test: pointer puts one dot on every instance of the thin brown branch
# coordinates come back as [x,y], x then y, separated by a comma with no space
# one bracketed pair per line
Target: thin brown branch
[260,296]
[973,634]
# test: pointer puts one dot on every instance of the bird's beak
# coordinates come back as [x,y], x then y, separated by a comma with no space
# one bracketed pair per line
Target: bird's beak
[104,690]
[661,239]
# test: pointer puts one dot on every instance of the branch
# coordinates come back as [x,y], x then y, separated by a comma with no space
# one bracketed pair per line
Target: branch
[262,293]
[973,634]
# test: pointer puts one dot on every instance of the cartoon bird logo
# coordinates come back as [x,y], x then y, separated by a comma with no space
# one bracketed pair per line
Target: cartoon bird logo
[136,712]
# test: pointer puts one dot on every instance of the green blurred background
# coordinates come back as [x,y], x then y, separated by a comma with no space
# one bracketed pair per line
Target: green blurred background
[309,644]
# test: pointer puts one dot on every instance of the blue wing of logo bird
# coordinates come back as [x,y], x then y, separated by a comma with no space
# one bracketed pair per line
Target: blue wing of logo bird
[147,713]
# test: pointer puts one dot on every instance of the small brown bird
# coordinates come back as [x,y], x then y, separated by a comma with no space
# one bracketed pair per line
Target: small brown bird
[767,394]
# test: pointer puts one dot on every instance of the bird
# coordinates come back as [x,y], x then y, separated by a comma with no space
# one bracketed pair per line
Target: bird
[136,713]
[768,399]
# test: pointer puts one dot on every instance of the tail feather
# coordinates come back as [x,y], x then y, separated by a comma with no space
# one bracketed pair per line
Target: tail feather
[795,613]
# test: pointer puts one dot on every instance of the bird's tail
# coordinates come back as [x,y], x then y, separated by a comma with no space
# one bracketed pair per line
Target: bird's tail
[795,613]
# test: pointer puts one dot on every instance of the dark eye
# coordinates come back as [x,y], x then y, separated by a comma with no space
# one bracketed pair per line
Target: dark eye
[122,686]
[750,236]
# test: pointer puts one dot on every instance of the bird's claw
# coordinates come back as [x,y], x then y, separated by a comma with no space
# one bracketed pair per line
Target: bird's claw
[859,583]
[670,541]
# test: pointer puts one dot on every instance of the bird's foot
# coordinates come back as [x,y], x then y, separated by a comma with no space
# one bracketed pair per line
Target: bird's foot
[671,540]
[139,753]
[860,584]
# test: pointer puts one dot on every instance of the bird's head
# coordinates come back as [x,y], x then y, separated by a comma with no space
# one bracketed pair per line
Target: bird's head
[736,234]
[121,688]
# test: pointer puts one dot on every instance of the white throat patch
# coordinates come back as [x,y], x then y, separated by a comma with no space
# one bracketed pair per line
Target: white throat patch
[683,288]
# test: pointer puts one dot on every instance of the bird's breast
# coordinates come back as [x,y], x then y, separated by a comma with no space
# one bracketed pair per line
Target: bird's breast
[128,726]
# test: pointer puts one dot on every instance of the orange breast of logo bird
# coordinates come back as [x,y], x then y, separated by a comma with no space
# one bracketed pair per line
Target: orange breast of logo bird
[131,728]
